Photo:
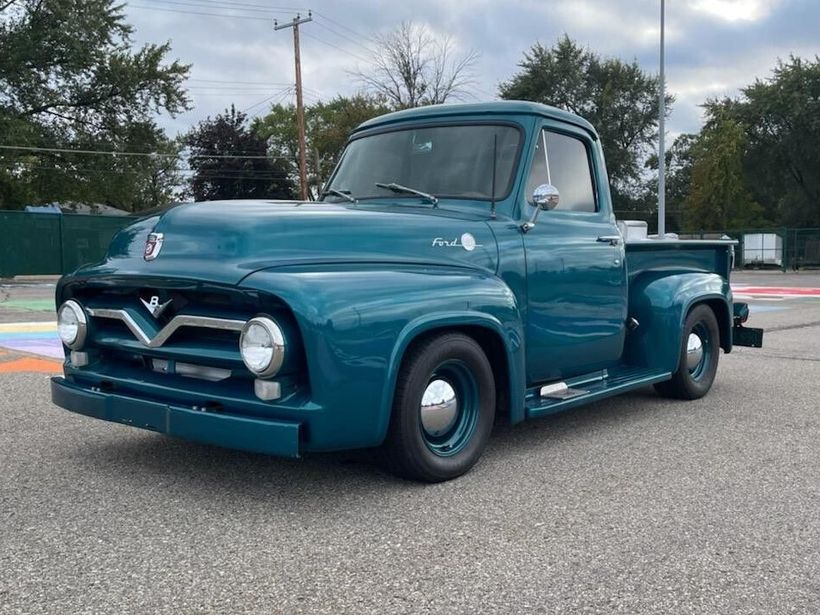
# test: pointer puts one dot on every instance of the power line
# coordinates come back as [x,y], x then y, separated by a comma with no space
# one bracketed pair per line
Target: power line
[249,89]
[223,81]
[233,3]
[218,173]
[281,96]
[220,5]
[341,25]
[217,88]
[344,36]
[232,16]
[59,150]
[342,49]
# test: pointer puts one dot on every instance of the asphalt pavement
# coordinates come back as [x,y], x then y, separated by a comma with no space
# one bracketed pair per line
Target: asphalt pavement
[632,505]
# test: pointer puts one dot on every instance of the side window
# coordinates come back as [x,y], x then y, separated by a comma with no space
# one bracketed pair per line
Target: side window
[563,161]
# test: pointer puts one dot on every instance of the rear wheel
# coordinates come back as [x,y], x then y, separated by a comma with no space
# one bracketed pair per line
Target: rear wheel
[443,409]
[699,354]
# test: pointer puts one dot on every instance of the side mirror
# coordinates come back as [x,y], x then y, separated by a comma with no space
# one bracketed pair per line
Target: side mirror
[545,197]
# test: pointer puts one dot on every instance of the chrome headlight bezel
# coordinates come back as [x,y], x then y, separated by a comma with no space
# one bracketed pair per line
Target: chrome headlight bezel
[78,341]
[277,346]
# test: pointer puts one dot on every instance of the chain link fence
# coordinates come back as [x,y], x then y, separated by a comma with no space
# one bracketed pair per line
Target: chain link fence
[788,249]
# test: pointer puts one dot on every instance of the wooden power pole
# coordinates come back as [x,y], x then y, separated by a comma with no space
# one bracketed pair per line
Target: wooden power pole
[300,109]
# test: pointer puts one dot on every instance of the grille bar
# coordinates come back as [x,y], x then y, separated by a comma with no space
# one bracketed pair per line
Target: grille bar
[181,320]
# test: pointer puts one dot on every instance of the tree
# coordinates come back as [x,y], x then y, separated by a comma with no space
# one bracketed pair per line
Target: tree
[411,67]
[719,198]
[327,127]
[618,98]
[231,162]
[70,79]
[780,118]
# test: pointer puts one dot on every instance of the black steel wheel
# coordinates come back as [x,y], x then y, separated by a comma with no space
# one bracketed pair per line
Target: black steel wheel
[443,409]
[699,354]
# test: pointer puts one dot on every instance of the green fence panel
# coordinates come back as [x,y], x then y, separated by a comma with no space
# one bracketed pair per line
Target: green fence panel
[48,244]
[86,238]
[29,243]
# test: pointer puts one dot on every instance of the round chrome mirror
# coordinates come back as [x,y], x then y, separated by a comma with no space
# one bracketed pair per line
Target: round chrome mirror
[546,197]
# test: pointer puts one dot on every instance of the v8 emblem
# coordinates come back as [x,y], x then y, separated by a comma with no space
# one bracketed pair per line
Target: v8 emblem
[154,306]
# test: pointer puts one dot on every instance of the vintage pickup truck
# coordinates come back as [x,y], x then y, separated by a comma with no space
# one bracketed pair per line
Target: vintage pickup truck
[463,264]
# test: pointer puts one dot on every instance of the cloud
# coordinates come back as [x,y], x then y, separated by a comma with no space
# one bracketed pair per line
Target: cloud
[737,10]
[714,47]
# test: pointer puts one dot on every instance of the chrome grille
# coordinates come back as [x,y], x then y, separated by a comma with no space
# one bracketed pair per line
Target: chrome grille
[158,338]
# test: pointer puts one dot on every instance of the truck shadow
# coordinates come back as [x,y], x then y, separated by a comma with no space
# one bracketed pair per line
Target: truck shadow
[161,462]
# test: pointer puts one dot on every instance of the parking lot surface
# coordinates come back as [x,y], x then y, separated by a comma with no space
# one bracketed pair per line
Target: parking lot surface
[632,505]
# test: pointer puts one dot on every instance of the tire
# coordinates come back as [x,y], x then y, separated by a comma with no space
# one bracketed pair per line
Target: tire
[694,378]
[443,440]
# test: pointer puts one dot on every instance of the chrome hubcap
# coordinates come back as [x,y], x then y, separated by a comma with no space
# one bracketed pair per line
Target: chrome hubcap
[694,351]
[439,408]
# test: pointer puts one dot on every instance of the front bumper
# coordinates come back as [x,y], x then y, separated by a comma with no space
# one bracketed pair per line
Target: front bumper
[219,428]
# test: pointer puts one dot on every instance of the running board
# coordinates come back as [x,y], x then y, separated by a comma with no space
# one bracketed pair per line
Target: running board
[558,396]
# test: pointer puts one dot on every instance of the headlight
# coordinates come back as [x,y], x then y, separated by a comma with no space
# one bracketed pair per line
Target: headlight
[72,324]
[262,346]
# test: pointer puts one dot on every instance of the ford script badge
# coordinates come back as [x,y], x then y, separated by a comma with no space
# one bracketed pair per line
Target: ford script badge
[152,246]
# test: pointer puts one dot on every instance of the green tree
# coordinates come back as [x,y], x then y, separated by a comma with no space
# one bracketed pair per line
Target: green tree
[327,127]
[719,198]
[780,117]
[230,161]
[618,98]
[70,79]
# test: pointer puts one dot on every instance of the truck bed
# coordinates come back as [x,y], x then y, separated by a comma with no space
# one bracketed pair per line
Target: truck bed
[679,256]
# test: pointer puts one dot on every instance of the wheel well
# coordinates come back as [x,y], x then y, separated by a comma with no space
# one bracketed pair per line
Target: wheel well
[493,347]
[721,312]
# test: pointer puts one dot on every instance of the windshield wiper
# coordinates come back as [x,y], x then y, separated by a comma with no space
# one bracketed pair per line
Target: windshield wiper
[399,188]
[345,194]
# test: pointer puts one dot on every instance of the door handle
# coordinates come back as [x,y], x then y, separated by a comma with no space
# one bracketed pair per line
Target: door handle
[612,240]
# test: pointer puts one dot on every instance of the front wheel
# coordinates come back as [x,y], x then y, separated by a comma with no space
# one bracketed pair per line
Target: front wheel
[699,354]
[443,409]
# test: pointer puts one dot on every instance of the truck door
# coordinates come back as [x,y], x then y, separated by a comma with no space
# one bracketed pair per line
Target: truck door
[576,274]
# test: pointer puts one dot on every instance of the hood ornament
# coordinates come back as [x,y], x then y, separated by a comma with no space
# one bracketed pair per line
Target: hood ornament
[152,246]
[154,306]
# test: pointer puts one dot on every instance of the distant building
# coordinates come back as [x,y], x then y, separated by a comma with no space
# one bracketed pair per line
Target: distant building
[77,208]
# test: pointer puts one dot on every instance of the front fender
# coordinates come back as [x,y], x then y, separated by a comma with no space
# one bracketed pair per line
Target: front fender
[660,303]
[356,322]
[510,333]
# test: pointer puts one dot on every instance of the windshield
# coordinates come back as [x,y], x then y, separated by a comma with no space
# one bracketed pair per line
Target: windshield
[454,161]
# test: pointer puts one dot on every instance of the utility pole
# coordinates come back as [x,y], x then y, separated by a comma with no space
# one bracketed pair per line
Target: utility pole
[661,129]
[300,109]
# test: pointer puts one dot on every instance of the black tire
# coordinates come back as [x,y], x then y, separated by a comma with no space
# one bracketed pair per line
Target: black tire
[694,382]
[413,452]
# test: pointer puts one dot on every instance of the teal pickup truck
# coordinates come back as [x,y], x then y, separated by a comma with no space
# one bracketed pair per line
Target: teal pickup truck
[463,264]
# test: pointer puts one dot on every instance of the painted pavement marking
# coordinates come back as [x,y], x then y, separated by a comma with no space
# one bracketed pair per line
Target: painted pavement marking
[38,338]
[32,305]
[774,293]
[31,364]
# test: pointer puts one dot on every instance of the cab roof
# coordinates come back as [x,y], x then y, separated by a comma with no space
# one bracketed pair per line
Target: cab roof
[495,109]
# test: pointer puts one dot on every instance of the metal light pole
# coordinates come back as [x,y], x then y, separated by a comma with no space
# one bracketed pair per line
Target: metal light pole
[661,148]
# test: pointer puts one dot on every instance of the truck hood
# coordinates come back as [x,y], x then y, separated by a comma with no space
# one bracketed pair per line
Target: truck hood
[224,241]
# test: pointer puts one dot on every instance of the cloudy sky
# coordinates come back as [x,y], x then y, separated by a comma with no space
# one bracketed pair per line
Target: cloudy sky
[713,46]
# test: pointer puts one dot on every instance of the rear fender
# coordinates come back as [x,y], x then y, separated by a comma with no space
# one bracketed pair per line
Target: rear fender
[660,303]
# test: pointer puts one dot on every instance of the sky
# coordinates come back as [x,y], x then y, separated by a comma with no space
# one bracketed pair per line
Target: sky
[713,47]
